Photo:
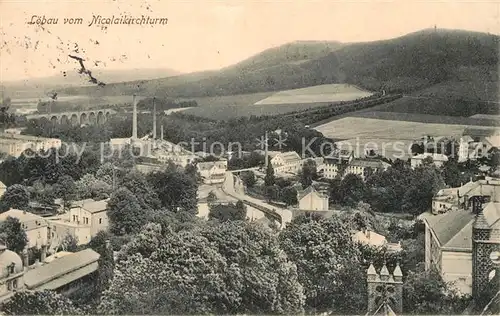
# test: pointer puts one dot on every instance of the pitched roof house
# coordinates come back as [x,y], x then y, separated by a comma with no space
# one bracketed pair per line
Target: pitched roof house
[212,171]
[312,200]
[448,246]
[287,162]
[449,240]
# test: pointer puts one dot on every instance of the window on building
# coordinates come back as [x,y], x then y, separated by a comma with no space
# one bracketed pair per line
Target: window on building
[14,284]
[11,268]
[100,220]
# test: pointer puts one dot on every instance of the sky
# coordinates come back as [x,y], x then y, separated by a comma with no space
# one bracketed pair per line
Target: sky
[208,34]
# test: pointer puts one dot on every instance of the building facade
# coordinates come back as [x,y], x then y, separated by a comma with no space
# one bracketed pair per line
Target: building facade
[11,273]
[212,172]
[459,198]
[61,228]
[287,162]
[448,247]
[437,159]
[36,227]
[312,200]
[90,213]
[15,144]
[362,167]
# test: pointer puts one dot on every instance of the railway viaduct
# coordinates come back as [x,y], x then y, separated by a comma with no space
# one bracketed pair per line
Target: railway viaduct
[91,117]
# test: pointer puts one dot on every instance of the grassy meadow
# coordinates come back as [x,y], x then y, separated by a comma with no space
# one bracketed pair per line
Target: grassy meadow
[313,94]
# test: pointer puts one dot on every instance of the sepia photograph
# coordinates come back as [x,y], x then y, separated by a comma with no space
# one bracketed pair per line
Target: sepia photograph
[249,157]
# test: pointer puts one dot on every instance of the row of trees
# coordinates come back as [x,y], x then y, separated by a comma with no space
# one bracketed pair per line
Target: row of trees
[399,189]
[163,104]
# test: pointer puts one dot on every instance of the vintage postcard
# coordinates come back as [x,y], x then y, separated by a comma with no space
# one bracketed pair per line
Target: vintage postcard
[246,157]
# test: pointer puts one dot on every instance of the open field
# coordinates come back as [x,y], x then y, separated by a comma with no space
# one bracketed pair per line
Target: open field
[313,94]
[229,100]
[224,112]
[480,119]
[486,116]
[390,138]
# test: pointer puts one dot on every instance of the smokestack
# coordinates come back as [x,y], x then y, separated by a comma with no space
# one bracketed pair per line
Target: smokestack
[134,119]
[161,135]
[44,253]
[266,153]
[154,118]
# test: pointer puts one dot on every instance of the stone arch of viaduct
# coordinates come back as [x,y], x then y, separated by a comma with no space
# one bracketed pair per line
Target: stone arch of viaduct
[90,117]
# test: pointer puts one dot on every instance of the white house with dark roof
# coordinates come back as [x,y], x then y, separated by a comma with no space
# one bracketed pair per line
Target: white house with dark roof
[36,227]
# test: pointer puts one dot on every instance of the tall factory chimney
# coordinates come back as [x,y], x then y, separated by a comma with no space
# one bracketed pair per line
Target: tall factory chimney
[154,118]
[266,162]
[134,119]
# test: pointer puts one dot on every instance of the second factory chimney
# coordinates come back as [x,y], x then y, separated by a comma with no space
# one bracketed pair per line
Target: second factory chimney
[154,118]
[134,119]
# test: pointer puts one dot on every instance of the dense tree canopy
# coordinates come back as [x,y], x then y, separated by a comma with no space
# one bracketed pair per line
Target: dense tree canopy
[39,303]
[16,196]
[193,272]
[13,235]
[308,173]
[328,264]
[269,179]
[176,190]
[229,212]
[425,292]
[125,213]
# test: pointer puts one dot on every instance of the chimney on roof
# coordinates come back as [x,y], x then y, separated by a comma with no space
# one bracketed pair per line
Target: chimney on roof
[134,118]
[161,132]
[26,260]
[44,253]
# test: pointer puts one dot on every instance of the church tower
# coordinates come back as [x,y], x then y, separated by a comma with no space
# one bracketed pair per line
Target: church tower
[485,251]
[385,290]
